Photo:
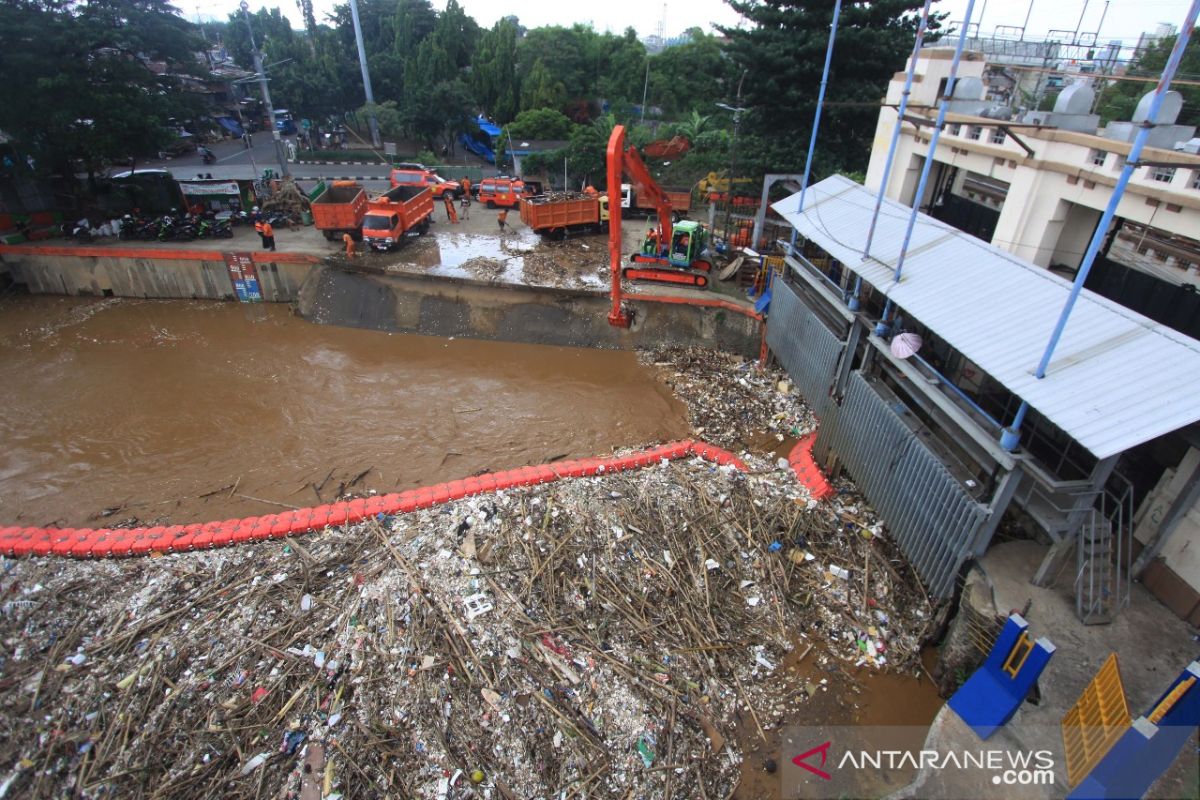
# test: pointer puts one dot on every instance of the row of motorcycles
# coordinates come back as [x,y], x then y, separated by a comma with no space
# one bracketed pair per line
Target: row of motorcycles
[172,228]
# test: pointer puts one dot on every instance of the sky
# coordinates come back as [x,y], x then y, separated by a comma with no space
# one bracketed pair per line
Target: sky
[1124,19]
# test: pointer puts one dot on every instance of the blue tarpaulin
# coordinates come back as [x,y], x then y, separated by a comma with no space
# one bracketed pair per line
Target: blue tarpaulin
[230,124]
[490,128]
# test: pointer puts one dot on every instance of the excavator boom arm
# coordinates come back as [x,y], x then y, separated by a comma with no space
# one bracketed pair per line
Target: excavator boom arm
[640,175]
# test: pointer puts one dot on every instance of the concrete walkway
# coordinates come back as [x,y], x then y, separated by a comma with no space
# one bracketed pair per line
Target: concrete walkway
[1152,645]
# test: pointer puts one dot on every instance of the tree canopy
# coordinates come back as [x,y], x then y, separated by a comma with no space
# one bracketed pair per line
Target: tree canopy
[1118,100]
[96,80]
[782,53]
[117,69]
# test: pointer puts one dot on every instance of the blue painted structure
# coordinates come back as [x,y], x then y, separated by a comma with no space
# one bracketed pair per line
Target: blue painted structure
[812,140]
[1146,750]
[891,156]
[951,80]
[991,696]
[1010,437]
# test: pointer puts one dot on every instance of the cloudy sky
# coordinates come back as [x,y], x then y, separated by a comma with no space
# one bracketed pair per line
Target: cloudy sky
[1125,19]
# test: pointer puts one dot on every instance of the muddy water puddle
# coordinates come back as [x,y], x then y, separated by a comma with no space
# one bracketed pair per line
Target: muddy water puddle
[838,694]
[190,411]
[520,256]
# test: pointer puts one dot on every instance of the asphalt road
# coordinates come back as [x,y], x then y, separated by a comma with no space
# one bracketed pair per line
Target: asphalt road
[235,161]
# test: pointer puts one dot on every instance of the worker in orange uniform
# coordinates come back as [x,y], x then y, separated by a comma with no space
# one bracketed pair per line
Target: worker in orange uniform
[502,218]
[258,228]
[268,234]
[590,191]
[466,188]
[451,214]
[349,242]
[650,247]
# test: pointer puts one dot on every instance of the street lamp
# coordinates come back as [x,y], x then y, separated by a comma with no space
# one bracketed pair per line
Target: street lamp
[737,110]
[266,92]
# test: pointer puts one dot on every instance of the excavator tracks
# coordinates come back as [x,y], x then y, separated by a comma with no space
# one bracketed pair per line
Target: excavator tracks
[670,276]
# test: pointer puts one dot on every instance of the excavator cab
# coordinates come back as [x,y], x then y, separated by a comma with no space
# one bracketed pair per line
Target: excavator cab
[687,243]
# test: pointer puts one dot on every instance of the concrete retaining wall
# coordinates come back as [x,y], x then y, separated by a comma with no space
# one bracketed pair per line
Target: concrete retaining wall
[439,306]
[163,274]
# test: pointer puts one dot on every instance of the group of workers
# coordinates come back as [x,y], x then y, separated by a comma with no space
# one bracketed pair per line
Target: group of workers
[264,229]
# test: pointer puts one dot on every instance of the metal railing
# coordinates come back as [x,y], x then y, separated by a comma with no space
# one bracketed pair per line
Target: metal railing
[1104,554]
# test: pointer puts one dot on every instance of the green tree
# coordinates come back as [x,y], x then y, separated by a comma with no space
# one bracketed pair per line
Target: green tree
[690,76]
[691,127]
[1119,99]
[95,81]
[541,90]
[494,72]
[540,123]
[781,53]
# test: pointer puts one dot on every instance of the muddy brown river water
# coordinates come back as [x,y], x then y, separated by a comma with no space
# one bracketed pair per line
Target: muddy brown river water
[183,411]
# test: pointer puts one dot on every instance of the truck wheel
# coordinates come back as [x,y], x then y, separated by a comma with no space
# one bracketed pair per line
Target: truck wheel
[558,234]
[328,235]
[491,203]
[424,229]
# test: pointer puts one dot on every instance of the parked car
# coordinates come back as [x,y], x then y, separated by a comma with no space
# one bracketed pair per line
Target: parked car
[416,175]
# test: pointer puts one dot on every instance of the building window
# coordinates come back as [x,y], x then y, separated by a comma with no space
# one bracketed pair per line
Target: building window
[955,129]
[1195,184]
[975,132]
[1098,157]
[998,136]
[1162,174]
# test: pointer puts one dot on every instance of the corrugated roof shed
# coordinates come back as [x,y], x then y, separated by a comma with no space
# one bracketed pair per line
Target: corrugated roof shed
[1117,379]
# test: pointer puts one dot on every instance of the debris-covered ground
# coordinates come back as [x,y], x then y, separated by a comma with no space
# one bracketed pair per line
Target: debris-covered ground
[729,399]
[600,637]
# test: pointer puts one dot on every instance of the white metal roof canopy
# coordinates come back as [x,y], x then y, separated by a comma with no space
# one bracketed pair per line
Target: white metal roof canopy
[1117,379]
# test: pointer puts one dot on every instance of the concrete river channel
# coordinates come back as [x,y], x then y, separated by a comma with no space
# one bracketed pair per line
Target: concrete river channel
[189,411]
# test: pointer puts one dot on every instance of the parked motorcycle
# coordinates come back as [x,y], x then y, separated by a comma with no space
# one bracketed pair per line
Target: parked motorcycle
[207,156]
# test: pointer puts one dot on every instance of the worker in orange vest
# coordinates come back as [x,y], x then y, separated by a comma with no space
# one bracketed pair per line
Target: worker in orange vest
[650,246]
[349,241]
[451,214]
[502,218]
[590,191]
[258,228]
[268,236]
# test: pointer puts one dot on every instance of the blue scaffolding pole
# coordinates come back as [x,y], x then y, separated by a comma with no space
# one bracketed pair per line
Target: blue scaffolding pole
[887,166]
[882,328]
[812,140]
[1010,437]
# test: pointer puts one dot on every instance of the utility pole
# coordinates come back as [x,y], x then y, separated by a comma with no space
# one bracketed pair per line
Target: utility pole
[645,90]
[266,94]
[737,122]
[362,62]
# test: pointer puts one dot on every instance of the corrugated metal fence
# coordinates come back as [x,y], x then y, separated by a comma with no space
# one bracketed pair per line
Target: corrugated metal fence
[927,511]
[808,350]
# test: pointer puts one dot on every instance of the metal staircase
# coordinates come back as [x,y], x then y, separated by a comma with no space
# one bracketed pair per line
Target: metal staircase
[1103,554]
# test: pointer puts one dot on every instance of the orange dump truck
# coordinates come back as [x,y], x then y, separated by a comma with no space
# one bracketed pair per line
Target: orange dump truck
[555,215]
[340,209]
[400,212]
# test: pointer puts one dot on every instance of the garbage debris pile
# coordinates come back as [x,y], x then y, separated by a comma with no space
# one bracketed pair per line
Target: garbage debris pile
[559,197]
[599,637]
[729,397]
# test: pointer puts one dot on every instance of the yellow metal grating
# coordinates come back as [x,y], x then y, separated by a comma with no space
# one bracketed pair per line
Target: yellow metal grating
[1170,700]
[1018,655]
[1098,719]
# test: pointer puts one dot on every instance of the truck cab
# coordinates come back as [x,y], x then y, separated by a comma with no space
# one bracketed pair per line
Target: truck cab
[501,191]
[410,175]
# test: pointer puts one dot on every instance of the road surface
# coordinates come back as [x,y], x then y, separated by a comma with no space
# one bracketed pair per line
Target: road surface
[235,161]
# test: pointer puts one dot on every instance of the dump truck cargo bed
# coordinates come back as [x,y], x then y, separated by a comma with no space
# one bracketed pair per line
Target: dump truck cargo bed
[340,209]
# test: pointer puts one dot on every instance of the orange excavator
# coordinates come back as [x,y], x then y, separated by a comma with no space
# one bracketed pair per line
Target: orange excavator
[676,255]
